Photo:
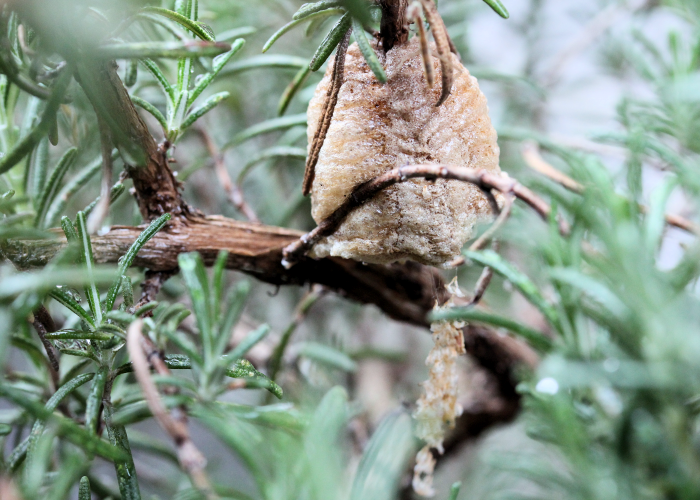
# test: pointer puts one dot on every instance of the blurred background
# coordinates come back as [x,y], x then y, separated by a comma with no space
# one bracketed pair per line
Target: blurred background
[557,74]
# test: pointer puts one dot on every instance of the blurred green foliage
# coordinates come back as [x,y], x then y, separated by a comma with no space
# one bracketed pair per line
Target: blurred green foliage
[612,410]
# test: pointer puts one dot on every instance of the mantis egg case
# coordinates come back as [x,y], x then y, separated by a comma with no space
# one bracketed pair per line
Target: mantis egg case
[376,128]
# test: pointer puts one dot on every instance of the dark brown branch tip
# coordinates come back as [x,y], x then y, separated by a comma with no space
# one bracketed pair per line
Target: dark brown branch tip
[327,114]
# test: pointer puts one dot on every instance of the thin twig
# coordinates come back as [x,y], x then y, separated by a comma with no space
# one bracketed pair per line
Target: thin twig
[488,234]
[142,352]
[302,309]
[481,285]
[500,220]
[483,179]
[327,114]
[415,14]
[43,323]
[151,286]
[233,190]
[484,280]
[444,48]
[531,155]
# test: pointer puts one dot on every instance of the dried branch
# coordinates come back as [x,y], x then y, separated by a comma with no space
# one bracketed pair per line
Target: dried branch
[151,286]
[406,292]
[444,47]
[531,154]
[534,160]
[415,15]
[43,323]
[142,352]
[324,123]
[156,188]
[233,190]
[484,180]
[302,309]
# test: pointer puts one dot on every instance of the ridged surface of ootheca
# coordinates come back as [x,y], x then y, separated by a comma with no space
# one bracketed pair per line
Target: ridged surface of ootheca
[376,128]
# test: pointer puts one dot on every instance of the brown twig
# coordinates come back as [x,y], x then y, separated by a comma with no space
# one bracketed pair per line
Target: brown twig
[142,352]
[444,48]
[415,15]
[531,154]
[43,323]
[534,160]
[155,186]
[500,220]
[151,286]
[302,309]
[233,190]
[324,123]
[481,285]
[485,180]
[406,292]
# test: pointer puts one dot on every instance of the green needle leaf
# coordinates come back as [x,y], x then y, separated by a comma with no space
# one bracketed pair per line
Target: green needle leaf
[73,186]
[202,82]
[124,466]
[248,342]
[331,41]
[84,489]
[63,426]
[88,259]
[27,143]
[454,490]
[379,472]
[128,258]
[66,299]
[160,78]
[71,335]
[498,8]
[94,400]
[143,104]
[235,303]
[172,50]
[311,8]
[51,187]
[200,111]
[268,126]
[535,338]
[367,51]
[289,26]
[18,454]
[519,281]
[195,278]
[132,73]
[292,89]
[268,61]
[183,21]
